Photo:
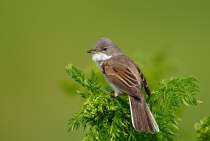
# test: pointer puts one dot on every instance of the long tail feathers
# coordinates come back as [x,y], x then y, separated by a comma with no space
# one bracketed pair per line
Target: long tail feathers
[142,118]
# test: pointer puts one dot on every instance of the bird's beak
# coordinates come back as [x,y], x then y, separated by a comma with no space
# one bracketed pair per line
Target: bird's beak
[91,51]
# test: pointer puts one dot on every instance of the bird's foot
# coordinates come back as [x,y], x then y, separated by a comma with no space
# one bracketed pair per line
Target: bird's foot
[114,94]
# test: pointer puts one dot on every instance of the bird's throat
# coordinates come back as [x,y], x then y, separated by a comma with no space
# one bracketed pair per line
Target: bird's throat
[99,58]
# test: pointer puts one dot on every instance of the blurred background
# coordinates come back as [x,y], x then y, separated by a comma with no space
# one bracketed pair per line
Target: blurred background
[39,38]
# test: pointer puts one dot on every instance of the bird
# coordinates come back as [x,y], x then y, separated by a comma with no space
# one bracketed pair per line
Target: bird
[124,76]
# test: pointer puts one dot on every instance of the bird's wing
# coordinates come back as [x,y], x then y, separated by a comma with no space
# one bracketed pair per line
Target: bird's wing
[122,72]
[144,81]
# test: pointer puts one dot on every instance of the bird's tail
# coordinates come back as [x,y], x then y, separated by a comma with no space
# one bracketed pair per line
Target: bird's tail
[142,118]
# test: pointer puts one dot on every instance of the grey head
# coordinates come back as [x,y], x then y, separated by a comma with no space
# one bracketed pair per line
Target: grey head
[106,47]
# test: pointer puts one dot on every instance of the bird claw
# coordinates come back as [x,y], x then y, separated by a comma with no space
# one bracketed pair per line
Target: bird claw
[113,94]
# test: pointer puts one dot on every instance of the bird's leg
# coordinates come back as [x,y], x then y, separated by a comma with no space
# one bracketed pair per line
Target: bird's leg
[114,94]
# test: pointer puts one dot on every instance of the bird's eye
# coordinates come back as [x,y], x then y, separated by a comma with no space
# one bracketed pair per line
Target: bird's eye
[104,48]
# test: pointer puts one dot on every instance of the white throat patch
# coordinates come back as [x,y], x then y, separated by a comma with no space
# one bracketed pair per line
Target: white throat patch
[100,57]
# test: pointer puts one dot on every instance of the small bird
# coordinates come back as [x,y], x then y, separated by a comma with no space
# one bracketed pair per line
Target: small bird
[123,75]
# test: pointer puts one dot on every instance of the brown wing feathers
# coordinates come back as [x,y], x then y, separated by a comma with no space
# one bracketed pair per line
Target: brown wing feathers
[127,77]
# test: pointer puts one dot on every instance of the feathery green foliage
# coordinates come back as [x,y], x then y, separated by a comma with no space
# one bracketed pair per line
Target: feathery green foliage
[108,118]
[171,94]
[203,129]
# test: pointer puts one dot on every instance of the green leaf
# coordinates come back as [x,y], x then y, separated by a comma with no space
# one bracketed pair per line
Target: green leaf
[203,129]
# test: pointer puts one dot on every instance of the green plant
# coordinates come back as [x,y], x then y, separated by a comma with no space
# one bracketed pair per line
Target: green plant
[108,118]
[203,129]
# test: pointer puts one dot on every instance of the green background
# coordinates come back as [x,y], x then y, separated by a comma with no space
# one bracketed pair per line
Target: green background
[39,38]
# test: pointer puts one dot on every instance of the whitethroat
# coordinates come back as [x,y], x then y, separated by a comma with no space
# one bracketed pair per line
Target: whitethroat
[124,75]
